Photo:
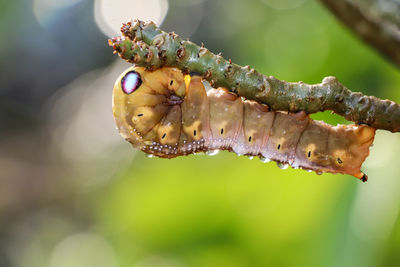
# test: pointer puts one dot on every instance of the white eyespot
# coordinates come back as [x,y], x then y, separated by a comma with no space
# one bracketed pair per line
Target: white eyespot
[130,82]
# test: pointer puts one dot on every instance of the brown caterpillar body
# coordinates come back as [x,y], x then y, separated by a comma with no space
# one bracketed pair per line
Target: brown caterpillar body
[166,114]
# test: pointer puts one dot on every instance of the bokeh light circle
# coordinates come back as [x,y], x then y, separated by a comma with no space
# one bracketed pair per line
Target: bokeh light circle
[109,15]
[83,250]
[47,11]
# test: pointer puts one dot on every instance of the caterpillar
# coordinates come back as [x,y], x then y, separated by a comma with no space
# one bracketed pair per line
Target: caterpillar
[168,114]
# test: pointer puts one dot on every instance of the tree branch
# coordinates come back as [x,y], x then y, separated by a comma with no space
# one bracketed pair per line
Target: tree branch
[146,45]
[376,21]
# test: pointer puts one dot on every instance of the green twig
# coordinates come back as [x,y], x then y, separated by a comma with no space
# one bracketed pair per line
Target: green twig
[146,45]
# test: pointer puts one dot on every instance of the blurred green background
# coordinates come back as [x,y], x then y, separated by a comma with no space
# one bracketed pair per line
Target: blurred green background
[74,193]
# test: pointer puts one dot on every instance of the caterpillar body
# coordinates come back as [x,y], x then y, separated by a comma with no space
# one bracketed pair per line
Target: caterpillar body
[167,114]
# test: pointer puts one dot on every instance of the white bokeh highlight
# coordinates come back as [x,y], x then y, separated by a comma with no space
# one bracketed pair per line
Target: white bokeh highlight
[110,15]
[83,250]
[46,11]
[83,131]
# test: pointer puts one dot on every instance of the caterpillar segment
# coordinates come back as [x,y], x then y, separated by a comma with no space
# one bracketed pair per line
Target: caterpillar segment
[167,114]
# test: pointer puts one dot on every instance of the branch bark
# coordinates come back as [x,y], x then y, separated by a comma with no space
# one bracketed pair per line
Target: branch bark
[146,45]
[376,21]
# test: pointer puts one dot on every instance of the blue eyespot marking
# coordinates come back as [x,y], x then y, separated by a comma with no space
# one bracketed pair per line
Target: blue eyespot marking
[130,82]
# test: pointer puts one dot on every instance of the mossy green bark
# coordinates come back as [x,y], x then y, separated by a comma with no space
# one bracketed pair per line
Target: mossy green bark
[146,45]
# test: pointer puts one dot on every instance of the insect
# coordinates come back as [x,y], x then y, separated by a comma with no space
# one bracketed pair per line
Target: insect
[167,114]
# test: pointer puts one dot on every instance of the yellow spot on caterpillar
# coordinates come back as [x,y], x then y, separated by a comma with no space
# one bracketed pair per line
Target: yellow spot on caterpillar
[280,145]
[309,151]
[193,131]
[187,80]
[340,156]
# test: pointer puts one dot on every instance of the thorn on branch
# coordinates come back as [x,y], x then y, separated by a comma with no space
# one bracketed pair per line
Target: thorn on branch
[180,53]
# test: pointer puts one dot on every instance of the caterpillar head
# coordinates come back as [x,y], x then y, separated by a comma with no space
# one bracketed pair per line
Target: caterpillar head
[142,102]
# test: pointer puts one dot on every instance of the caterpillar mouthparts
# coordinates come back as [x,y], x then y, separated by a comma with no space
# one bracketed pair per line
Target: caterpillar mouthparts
[167,114]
